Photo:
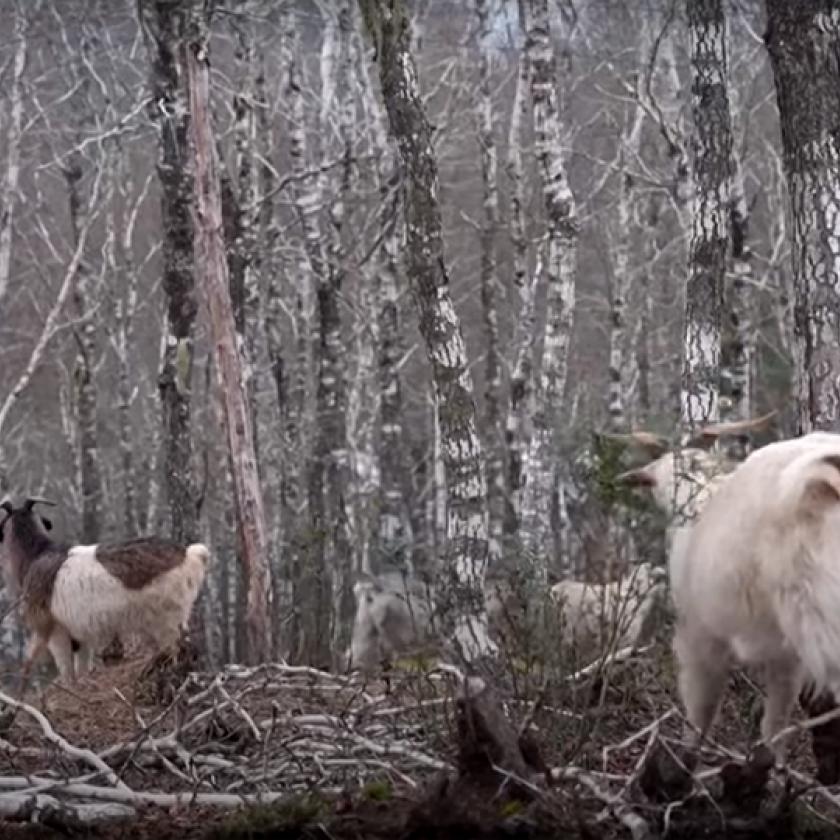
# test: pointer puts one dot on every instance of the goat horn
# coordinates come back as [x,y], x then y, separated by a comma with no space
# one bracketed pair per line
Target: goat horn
[37,500]
[709,434]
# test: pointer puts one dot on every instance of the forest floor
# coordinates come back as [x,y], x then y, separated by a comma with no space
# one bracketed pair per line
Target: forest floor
[347,759]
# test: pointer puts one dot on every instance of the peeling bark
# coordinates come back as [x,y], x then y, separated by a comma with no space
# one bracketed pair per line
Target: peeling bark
[212,271]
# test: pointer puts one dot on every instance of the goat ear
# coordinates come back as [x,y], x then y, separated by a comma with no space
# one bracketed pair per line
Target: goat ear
[823,489]
[47,523]
[641,477]
[7,505]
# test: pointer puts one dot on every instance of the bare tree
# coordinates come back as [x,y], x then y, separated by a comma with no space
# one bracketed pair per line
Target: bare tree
[388,23]
[560,270]
[13,142]
[803,41]
[213,276]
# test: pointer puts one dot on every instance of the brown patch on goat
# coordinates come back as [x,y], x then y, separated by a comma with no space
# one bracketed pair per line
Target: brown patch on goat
[136,563]
[37,588]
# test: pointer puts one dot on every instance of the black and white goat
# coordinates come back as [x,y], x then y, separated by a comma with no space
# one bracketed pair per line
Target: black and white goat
[76,598]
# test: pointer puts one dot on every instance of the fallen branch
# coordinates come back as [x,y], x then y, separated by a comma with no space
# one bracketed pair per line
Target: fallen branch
[47,810]
[88,756]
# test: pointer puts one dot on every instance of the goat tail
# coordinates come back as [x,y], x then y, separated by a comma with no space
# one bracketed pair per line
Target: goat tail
[198,553]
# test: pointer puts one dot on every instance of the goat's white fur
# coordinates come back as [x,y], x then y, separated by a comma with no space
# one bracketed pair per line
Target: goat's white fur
[92,606]
[758,581]
[615,613]
[387,623]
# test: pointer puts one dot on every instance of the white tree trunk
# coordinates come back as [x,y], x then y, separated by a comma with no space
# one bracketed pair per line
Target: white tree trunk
[13,141]
[560,269]
[700,387]
[441,330]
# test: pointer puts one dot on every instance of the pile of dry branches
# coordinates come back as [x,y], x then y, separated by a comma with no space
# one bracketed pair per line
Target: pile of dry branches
[99,752]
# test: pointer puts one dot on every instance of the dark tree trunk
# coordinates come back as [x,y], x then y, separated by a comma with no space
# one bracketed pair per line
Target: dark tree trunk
[804,44]
[163,24]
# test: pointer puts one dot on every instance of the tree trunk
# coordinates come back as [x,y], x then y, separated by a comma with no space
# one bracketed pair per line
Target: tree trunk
[489,288]
[86,414]
[802,38]
[396,546]
[439,325]
[707,261]
[13,142]
[212,273]
[560,268]
[517,425]
[245,291]
[737,340]
[163,28]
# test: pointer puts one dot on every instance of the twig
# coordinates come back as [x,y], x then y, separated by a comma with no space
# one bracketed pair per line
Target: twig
[51,735]
[638,827]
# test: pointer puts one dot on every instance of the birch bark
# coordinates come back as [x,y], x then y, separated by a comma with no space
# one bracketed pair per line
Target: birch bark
[803,41]
[700,387]
[13,143]
[439,324]
[560,269]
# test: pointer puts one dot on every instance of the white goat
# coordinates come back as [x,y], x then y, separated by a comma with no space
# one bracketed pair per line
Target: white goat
[388,621]
[682,481]
[757,581]
[616,614]
[75,599]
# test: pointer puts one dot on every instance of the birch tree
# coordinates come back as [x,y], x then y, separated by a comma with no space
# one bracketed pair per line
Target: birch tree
[394,536]
[213,278]
[162,25]
[804,42]
[707,261]
[560,269]
[521,379]
[11,175]
[489,289]
[466,558]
